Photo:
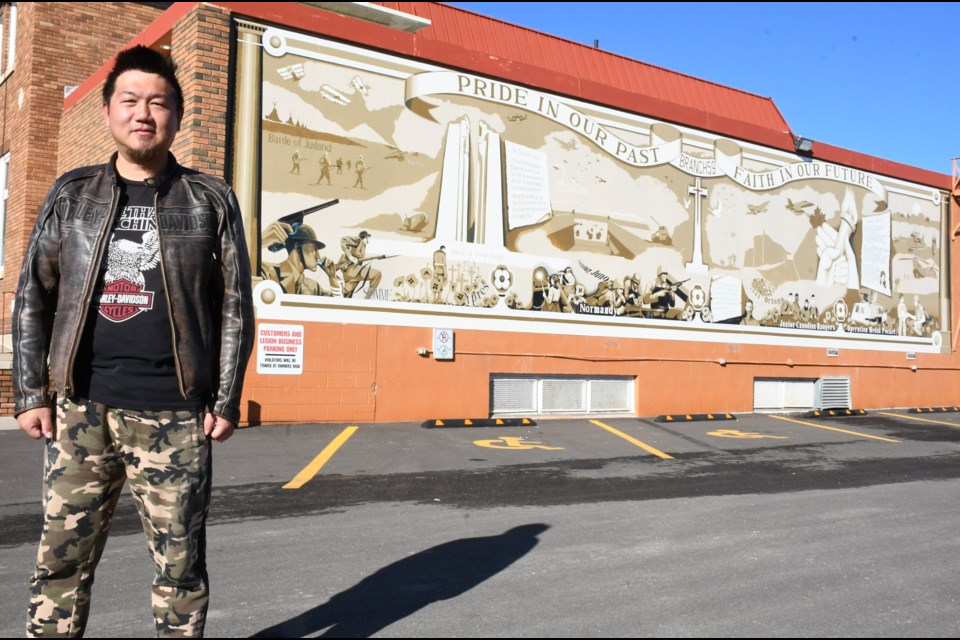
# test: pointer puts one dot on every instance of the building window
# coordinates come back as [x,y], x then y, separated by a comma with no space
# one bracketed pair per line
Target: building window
[4,175]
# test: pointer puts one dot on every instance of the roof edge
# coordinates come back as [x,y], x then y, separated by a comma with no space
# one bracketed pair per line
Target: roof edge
[608,53]
[148,37]
[890,168]
[351,30]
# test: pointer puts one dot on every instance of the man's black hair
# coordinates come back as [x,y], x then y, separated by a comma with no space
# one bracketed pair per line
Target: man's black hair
[141,58]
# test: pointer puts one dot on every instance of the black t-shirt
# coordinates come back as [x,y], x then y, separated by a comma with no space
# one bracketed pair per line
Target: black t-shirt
[126,358]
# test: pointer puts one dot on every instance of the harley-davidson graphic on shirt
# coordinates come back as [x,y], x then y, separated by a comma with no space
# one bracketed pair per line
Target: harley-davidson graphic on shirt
[126,354]
[124,293]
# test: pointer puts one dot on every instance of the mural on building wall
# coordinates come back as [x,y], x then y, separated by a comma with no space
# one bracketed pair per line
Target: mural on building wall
[391,186]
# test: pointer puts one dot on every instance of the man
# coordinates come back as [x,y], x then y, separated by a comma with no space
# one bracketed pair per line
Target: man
[902,316]
[355,266]
[324,169]
[747,317]
[136,288]
[439,281]
[552,295]
[360,167]
[662,297]
[633,289]
[303,254]
[920,317]
[633,294]
[568,283]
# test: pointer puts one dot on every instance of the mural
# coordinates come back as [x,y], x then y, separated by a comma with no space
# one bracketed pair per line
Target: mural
[390,185]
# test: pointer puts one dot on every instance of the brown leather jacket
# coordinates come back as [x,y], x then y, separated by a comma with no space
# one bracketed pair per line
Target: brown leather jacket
[203,262]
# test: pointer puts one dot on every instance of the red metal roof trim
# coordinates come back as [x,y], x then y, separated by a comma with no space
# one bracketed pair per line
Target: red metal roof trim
[156,30]
[462,39]
[521,54]
[503,40]
[881,166]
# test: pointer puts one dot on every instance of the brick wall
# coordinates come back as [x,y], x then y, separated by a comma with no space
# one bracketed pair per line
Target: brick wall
[338,383]
[84,138]
[201,48]
[6,388]
[58,44]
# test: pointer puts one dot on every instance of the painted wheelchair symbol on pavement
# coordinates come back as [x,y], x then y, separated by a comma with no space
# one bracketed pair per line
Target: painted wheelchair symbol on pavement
[514,444]
[734,433]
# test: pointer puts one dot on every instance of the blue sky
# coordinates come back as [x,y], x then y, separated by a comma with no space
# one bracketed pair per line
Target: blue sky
[878,78]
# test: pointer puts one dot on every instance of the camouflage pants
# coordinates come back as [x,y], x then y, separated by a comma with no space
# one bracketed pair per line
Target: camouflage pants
[166,457]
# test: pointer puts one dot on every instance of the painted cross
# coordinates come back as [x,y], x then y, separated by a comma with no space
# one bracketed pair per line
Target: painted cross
[696,264]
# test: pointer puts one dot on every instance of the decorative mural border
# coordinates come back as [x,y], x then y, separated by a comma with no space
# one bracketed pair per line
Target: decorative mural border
[474,214]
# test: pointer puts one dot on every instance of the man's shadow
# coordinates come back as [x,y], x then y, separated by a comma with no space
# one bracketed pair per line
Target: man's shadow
[404,587]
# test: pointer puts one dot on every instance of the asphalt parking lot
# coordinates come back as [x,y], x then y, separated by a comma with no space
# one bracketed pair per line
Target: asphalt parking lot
[778,525]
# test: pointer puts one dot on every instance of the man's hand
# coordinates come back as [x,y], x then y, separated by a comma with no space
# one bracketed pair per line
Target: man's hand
[218,428]
[275,235]
[37,422]
[832,268]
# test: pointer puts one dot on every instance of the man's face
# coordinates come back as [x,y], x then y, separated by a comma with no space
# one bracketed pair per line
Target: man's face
[309,256]
[142,117]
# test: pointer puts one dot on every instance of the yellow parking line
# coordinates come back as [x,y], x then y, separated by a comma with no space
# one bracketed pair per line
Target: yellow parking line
[900,415]
[307,473]
[642,445]
[820,426]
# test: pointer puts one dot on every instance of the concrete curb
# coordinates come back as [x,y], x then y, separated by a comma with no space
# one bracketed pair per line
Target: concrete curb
[477,422]
[695,417]
[835,413]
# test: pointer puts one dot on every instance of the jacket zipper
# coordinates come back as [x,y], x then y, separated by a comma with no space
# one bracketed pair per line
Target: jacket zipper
[166,296]
[97,264]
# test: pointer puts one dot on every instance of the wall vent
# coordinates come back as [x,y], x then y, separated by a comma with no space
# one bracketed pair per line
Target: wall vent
[832,392]
[560,395]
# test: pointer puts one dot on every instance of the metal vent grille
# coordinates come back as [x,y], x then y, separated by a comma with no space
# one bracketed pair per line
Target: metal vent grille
[514,395]
[833,393]
[567,396]
[533,395]
[608,396]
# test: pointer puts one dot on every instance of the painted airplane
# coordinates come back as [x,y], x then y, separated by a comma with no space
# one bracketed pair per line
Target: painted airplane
[329,93]
[359,85]
[293,72]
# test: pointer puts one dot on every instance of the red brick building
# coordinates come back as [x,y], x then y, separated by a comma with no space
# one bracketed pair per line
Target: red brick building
[48,48]
[440,152]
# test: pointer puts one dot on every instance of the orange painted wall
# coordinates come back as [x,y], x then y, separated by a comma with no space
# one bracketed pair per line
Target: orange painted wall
[373,374]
